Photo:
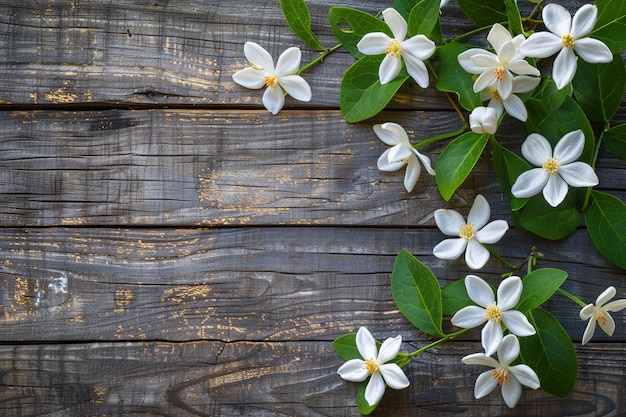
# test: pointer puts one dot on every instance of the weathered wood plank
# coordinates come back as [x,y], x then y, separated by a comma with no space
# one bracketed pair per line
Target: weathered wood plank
[276,283]
[189,167]
[270,379]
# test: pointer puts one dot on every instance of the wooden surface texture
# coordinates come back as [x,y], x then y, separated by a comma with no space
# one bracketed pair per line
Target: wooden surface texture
[170,248]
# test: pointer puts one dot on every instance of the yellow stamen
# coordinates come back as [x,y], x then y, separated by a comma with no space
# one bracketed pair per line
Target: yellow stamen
[601,318]
[568,41]
[500,374]
[493,312]
[551,166]
[271,81]
[394,48]
[467,231]
[494,94]
[371,366]
[499,72]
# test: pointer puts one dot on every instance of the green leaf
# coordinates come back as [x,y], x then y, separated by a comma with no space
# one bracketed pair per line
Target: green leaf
[361,95]
[453,78]
[345,346]
[299,20]
[508,167]
[350,25]
[606,223]
[546,99]
[454,297]
[457,161]
[599,88]
[615,140]
[404,7]
[539,286]
[550,353]
[361,403]
[549,222]
[416,292]
[514,17]
[484,12]
[424,18]
[611,24]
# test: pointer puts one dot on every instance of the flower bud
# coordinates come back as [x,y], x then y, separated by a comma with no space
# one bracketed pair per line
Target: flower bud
[484,120]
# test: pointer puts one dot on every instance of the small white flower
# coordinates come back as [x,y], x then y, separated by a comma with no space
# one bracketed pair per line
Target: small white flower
[510,378]
[414,50]
[495,70]
[484,120]
[566,36]
[493,312]
[278,80]
[374,366]
[443,3]
[557,170]
[600,314]
[400,154]
[470,235]
[513,105]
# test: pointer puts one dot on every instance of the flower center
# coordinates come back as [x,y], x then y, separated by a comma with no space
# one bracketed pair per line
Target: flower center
[271,81]
[493,312]
[394,48]
[467,231]
[568,41]
[495,95]
[371,366]
[551,166]
[499,72]
[500,374]
[601,318]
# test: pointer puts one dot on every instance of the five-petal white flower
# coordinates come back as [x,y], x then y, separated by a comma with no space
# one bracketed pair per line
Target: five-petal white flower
[374,366]
[495,70]
[401,153]
[278,80]
[566,36]
[484,120]
[557,170]
[414,50]
[513,105]
[493,312]
[599,313]
[470,235]
[510,378]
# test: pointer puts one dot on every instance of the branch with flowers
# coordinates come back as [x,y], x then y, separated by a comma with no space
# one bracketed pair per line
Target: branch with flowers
[565,106]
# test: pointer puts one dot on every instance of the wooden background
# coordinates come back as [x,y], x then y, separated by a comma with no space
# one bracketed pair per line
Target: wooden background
[170,248]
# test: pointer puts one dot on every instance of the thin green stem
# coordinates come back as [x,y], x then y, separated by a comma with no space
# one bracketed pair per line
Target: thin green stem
[500,258]
[438,342]
[440,137]
[450,99]
[473,32]
[319,59]
[572,297]
[596,151]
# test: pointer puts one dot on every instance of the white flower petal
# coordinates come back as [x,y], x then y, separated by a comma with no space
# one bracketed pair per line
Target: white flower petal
[505,86]
[593,51]
[570,147]
[250,78]
[498,36]
[375,389]
[417,70]
[536,149]
[479,213]
[418,47]
[397,131]
[384,164]
[584,20]
[525,83]
[476,256]
[391,133]
[557,19]
[449,221]
[374,43]
[258,56]
[525,375]
[296,87]
[412,173]
[288,62]
[541,45]
[354,371]
[389,68]
[564,68]
[393,376]
[426,162]
[555,190]
[607,325]
[273,99]
[484,120]
[469,317]
[485,80]
[396,23]
[480,359]
[491,336]
[586,312]
[589,331]
[485,383]
[579,174]
[517,323]
[399,152]
[366,344]
[522,67]
[479,291]
[515,107]
[616,305]
[605,296]
[509,292]
[492,232]
[389,349]
[511,391]
[485,60]
[508,350]
[450,248]
[530,183]
[465,60]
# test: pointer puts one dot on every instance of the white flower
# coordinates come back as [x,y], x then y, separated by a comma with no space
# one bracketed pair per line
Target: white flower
[262,73]
[510,378]
[471,234]
[600,314]
[557,169]
[484,120]
[401,153]
[495,70]
[493,312]
[373,366]
[443,3]
[567,35]
[414,50]
[513,105]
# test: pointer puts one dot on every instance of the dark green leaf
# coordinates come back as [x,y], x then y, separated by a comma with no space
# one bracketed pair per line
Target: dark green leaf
[454,297]
[539,286]
[361,95]
[545,100]
[611,24]
[599,88]
[549,222]
[484,12]
[457,161]
[345,346]
[514,17]
[299,20]
[615,141]
[424,18]
[416,292]
[453,78]
[350,25]
[550,353]
[404,7]
[606,223]
[508,167]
